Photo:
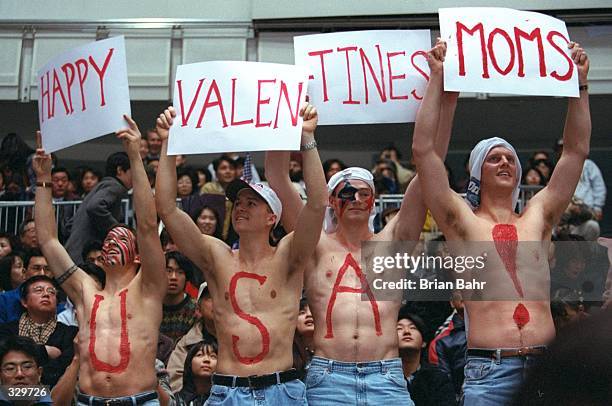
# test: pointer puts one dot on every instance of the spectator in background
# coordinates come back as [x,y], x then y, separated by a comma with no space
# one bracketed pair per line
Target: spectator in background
[203,329]
[200,364]
[15,155]
[533,177]
[404,175]
[238,160]
[385,178]
[154,144]
[27,234]
[39,322]
[2,184]
[204,176]
[11,271]
[88,179]
[144,149]
[60,178]
[591,189]
[186,181]
[6,244]
[331,167]
[225,173]
[181,162]
[209,221]
[167,242]
[101,208]
[92,252]
[545,167]
[21,364]
[427,385]
[178,307]
[303,342]
[539,155]
[153,164]
[567,307]
[578,220]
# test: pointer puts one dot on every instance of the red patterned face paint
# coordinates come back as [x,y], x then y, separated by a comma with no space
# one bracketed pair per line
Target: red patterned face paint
[365,288]
[506,243]
[265,335]
[124,341]
[119,247]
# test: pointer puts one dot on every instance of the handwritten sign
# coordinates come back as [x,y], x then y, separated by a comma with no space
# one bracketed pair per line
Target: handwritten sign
[237,106]
[364,77]
[83,94]
[500,50]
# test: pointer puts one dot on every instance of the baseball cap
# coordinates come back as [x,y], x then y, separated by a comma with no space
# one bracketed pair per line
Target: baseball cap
[262,190]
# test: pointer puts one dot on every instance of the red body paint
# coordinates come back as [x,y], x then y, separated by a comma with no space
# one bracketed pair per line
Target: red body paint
[265,335]
[506,243]
[124,343]
[365,288]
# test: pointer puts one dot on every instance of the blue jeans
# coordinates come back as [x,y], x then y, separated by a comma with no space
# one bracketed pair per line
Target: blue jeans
[153,402]
[491,381]
[288,393]
[330,382]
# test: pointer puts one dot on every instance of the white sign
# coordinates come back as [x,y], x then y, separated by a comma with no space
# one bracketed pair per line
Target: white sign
[365,77]
[500,50]
[83,94]
[237,106]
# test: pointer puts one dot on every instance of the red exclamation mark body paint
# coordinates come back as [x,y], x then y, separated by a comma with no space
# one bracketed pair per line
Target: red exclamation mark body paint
[506,244]
[124,343]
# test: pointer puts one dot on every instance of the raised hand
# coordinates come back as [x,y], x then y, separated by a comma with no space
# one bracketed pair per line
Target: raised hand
[311,117]
[164,122]
[435,57]
[130,136]
[42,161]
[581,59]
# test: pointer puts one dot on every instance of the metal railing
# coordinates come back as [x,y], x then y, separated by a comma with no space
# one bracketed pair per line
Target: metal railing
[12,214]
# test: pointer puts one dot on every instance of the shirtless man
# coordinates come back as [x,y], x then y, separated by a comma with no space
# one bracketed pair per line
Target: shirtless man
[119,324]
[503,336]
[255,290]
[356,359]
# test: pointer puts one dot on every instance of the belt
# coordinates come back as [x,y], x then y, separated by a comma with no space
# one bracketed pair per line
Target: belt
[121,401]
[504,353]
[255,381]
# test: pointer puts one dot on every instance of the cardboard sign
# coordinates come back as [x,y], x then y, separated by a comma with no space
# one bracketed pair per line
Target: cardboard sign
[500,50]
[365,77]
[83,94]
[237,106]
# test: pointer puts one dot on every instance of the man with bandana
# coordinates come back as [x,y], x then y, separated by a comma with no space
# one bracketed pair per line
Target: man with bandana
[256,290]
[119,324]
[509,326]
[356,358]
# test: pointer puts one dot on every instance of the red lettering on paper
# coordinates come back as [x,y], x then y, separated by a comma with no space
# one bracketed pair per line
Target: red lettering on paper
[261,101]
[393,77]
[101,72]
[380,85]
[185,117]
[504,34]
[293,112]
[365,288]
[485,62]
[233,122]
[348,74]
[57,88]
[208,103]
[421,71]
[69,74]
[570,63]
[124,340]
[321,55]
[45,94]
[534,35]
[82,74]
[265,335]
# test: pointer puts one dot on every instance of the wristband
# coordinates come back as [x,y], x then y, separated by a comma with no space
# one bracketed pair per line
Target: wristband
[311,145]
[44,184]
[583,87]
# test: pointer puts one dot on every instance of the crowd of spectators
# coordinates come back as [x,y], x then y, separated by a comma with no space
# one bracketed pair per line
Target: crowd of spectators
[37,320]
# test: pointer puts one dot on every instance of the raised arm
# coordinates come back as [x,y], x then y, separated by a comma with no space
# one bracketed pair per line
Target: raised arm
[553,199]
[277,175]
[310,220]
[434,120]
[66,273]
[185,233]
[151,255]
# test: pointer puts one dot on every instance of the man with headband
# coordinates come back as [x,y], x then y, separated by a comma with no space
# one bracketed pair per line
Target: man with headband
[504,335]
[119,325]
[356,359]
[255,290]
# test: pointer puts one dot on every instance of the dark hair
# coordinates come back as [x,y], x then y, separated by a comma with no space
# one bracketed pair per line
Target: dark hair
[31,253]
[206,173]
[390,164]
[183,263]
[6,265]
[93,245]
[188,385]
[418,322]
[190,173]
[327,164]
[303,303]
[9,237]
[533,168]
[165,237]
[23,289]
[23,225]
[60,169]
[82,173]
[14,152]
[117,160]
[217,162]
[218,228]
[94,270]
[21,344]
[392,147]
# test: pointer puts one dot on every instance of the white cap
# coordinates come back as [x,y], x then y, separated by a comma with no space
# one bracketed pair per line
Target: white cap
[266,193]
